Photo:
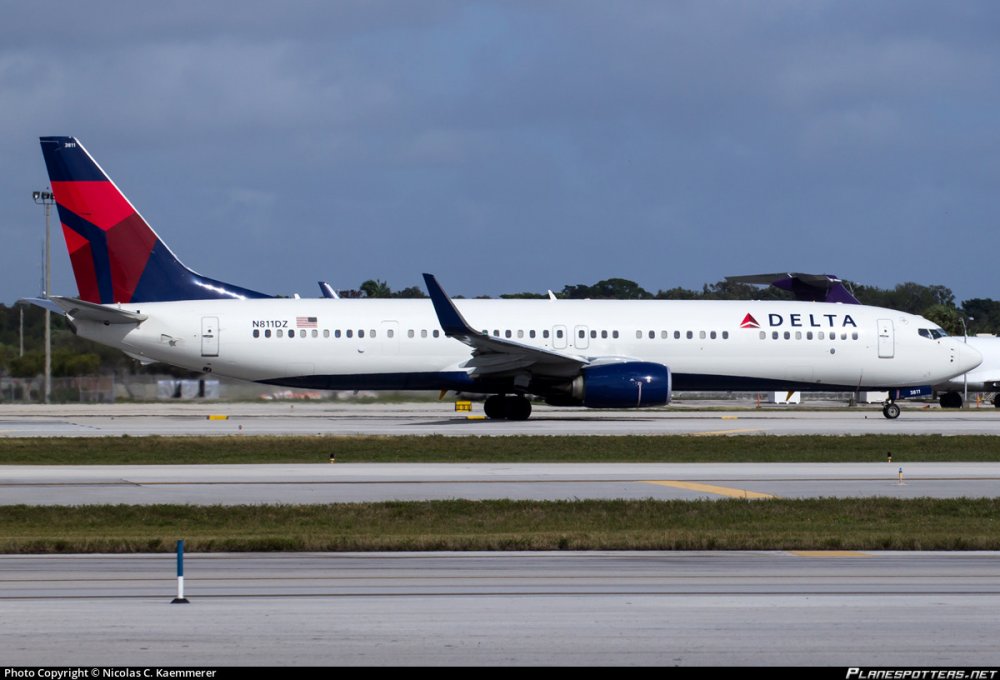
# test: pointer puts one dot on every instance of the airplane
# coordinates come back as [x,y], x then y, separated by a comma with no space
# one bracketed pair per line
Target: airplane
[136,295]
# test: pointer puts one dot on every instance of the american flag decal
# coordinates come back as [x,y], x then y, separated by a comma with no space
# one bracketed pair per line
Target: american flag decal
[305,322]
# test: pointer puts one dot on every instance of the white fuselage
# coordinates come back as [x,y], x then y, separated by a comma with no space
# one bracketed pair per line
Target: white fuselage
[399,344]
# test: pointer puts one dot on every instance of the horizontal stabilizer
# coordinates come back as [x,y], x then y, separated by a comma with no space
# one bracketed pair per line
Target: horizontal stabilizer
[88,311]
[805,287]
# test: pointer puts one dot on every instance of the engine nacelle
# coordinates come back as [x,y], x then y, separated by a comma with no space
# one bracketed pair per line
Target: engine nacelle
[626,385]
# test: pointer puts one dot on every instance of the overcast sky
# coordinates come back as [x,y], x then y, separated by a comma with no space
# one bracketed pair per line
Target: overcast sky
[509,146]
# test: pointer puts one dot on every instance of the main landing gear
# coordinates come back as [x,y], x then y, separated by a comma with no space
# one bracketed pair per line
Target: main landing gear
[503,407]
[890,410]
[950,400]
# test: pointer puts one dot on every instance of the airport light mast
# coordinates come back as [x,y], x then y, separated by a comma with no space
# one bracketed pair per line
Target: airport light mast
[46,198]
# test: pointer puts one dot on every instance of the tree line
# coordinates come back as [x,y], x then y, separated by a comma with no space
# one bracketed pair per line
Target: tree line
[73,356]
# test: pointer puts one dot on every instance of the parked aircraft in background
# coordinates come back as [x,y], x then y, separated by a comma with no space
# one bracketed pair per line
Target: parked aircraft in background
[134,294]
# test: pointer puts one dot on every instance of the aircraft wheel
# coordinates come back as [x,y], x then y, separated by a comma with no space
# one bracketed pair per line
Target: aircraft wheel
[890,411]
[951,400]
[495,407]
[518,408]
[996,400]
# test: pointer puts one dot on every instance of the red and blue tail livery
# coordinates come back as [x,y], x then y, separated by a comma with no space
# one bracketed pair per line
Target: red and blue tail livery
[116,256]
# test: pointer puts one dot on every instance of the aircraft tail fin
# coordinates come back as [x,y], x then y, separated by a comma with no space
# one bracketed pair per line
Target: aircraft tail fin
[116,255]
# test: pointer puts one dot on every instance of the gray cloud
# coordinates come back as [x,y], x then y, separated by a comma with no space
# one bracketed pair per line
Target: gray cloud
[518,145]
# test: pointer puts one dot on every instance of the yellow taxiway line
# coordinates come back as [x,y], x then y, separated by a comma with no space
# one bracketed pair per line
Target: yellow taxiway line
[711,488]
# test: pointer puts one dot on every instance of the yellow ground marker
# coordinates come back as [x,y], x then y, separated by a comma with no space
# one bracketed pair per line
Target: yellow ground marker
[711,488]
[723,433]
[828,553]
[475,417]
[730,417]
[218,417]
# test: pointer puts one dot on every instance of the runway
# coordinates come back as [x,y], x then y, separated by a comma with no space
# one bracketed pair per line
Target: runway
[741,608]
[360,482]
[425,418]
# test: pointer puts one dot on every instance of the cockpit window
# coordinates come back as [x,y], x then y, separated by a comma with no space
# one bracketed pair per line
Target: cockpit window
[932,333]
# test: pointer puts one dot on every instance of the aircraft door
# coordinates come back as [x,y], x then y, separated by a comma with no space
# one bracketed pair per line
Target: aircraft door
[210,336]
[581,339]
[886,339]
[559,337]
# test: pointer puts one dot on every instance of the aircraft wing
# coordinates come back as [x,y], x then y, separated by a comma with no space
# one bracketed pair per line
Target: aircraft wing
[491,355]
[78,309]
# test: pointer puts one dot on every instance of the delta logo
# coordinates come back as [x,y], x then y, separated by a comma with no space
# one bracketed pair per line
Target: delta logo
[802,321]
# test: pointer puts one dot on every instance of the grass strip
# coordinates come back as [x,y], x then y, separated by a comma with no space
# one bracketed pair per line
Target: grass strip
[783,524]
[440,449]
[524,449]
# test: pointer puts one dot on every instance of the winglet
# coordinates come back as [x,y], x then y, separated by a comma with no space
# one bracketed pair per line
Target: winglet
[451,320]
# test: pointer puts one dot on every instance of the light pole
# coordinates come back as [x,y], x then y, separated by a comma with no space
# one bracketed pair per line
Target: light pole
[965,376]
[45,198]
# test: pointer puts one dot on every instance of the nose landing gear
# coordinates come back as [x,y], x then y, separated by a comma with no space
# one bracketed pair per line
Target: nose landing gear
[890,410]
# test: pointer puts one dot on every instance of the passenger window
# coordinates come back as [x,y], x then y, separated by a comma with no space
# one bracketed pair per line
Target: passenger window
[774,335]
[531,334]
[677,335]
[267,333]
[559,334]
[701,334]
[604,335]
[820,335]
[315,333]
[520,334]
[545,334]
[437,334]
[302,333]
[336,333]
[349,333]
[854,335]
[279,333]
[798,335]
[614,334]
[690,334]
[763,335]
[652,335]
[256,333]
[712,335]
[581,334]
[788,335]
[638,335]
[506,334]
[664,335]
[389,333]
[410,333]
[809,335]
[326,332]
[361,333]
[593,334]
[725,335]
[423,333]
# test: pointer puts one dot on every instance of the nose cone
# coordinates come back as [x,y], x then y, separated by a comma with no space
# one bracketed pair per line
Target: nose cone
[966,356]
